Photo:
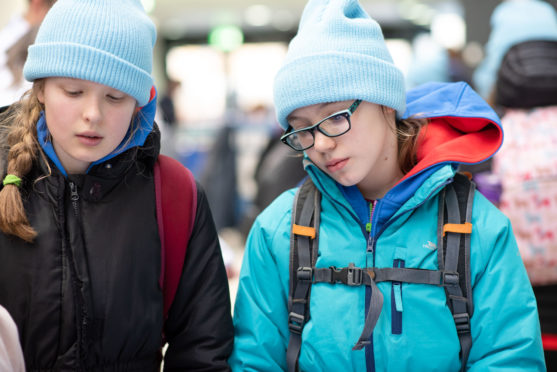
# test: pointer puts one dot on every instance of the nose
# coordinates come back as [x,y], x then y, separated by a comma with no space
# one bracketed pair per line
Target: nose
[323,143]
[92,110]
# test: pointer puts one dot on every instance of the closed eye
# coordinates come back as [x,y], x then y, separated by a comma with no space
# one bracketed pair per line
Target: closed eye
[114,98]
[73,93]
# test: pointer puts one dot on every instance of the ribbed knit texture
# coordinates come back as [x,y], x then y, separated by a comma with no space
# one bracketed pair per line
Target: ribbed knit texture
[338,54]
[512,22]
[109,42]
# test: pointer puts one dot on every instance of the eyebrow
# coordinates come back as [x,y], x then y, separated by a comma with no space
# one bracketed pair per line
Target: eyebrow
[320,107]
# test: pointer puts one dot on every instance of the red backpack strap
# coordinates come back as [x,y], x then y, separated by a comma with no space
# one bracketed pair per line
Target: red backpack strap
[176,198]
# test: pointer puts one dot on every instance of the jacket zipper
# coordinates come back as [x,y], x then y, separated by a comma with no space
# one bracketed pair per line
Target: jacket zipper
[74,197]
[370,256]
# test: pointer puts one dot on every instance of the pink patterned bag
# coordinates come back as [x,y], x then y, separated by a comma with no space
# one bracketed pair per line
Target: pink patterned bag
[527,167]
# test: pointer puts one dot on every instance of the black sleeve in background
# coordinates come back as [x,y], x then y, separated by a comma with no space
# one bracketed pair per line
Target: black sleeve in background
[199,328]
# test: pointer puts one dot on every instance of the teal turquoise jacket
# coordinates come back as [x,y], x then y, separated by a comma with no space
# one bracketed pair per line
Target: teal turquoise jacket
[415,330]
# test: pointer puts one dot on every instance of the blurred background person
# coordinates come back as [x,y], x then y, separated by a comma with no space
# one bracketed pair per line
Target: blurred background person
[512,22]
[519,77]
[278,168]
[526,167]
[430,62]
[166,102]
[15,38]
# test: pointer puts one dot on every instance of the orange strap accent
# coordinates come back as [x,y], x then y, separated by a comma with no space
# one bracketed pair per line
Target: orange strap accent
[463,228]
[303,230]
[467,174]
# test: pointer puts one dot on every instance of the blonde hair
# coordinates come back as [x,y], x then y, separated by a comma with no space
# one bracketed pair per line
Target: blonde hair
[407,131]
[19,126]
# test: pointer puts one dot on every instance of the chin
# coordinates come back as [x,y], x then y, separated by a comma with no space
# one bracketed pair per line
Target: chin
[344,181]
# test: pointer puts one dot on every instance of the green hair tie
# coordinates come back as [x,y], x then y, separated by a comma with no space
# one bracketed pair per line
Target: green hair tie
[12,179]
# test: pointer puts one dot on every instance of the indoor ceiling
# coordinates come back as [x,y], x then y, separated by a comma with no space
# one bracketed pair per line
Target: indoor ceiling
[179,18]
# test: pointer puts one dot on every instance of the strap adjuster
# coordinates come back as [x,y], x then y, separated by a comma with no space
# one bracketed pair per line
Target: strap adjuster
[353,275]
[304,274]
[296,323]
[462,322]
[450,278]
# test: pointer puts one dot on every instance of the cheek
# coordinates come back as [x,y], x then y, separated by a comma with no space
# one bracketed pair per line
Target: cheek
[121,120]
[120,130]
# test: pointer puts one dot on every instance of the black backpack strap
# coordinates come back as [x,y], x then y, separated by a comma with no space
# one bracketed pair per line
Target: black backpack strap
[455,212]
[354,276]
[303,254]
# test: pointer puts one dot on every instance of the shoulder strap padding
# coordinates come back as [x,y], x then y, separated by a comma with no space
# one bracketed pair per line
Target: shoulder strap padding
[454,233]
[464,190]
[304,243]
[176,202]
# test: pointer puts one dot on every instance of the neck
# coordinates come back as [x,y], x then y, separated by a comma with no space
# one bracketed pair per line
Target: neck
[384,174]
[380,185]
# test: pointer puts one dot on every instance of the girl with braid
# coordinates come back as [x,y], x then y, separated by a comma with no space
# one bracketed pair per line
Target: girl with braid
[80,248]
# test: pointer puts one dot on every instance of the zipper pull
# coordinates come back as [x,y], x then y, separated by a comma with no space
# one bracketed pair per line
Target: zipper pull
[370,242]
[73,190]
[368,226]
[75,198]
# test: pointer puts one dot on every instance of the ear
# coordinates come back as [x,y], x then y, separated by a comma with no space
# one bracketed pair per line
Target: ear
[388,110]
[40,94]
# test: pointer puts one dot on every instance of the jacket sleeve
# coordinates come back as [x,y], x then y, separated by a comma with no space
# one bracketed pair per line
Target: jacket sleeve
[505,324]
[260,310]
[199,326]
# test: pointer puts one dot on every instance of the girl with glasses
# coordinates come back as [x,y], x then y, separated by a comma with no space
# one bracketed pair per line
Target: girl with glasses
[380,158]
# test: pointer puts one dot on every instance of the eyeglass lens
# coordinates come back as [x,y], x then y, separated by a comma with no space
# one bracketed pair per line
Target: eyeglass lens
[331,127]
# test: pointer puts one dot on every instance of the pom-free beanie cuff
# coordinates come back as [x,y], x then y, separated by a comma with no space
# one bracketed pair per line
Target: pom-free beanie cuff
[84,62]
[109,42]
[337,76]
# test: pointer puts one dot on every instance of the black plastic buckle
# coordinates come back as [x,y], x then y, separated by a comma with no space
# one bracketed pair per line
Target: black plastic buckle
[462,322]
[304,274]
[450,278]
[296,323]
[350,275]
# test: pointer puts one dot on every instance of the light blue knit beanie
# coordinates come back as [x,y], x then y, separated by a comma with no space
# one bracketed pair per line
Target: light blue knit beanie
[338,54]
[109,42]
[512,22]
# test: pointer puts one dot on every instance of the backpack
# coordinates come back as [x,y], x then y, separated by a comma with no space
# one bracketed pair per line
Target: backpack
[454,229]
[176,203]
[527,77]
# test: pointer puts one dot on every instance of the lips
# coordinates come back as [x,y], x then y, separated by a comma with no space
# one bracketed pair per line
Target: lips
[336,164]
[89,139]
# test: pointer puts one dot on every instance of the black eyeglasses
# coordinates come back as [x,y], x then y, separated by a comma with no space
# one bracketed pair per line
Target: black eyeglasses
[332,126]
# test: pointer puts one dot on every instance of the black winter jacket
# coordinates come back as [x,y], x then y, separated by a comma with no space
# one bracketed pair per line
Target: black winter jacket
[85,295]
